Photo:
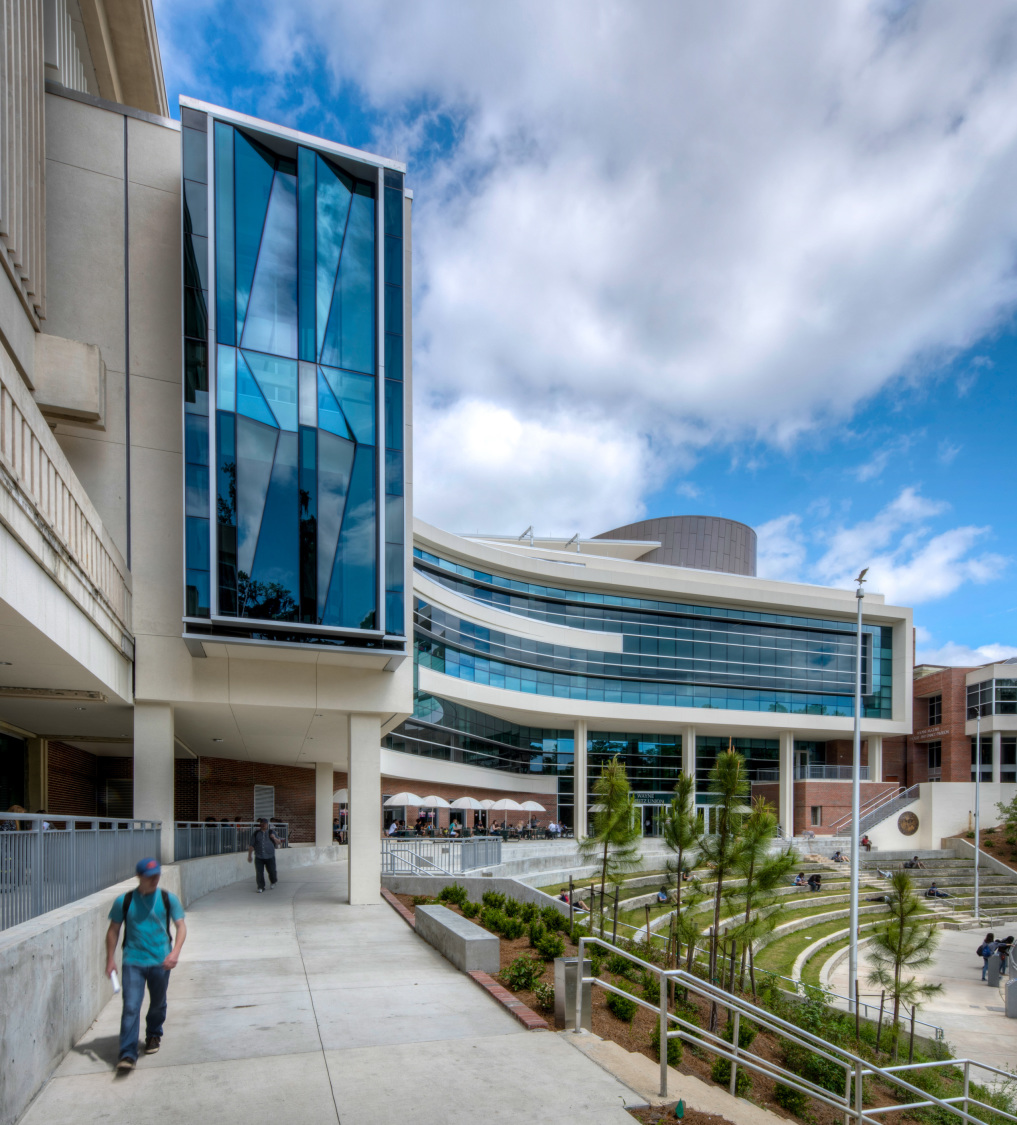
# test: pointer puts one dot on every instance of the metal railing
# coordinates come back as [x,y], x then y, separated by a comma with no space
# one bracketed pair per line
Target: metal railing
[879,808]
[440,856]
[193,839]
[907,1095]
[48,861]
[818,771]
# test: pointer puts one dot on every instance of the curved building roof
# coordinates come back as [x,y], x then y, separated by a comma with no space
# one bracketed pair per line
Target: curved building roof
[700,542]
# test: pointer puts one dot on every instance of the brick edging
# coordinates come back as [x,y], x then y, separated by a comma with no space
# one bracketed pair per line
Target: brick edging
[397,906]
[526,1016]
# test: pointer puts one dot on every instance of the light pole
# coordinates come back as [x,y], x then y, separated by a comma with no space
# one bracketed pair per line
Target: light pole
[978,793]
[856,793]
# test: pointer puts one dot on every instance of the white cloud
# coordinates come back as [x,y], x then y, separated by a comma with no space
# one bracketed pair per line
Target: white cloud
[947,452]
[907,563]
[687,489]
[957,655]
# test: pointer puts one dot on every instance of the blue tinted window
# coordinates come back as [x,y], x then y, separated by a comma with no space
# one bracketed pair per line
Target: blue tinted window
[195,155]
[393,209]
[226,372]
[225,265]
[255,454]
[195,207]
[277,381]
[275,585]
[356,288]
[197,543]
[393,261]
[393,414]
[196,490]
[271,324]
[335,468]
[250,399]
[253,171]
[393,356]
[197,593]
[393,309]
[330,416]
[305,253]
[353,595]
[333,206]
[355,394]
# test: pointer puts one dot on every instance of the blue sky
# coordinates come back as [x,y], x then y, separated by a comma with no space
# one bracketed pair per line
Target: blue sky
[747,261]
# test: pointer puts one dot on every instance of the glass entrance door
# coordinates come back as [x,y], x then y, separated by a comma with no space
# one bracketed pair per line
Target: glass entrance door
[652,819]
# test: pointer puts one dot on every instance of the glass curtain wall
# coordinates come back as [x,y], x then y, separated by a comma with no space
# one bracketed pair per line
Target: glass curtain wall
[296,471]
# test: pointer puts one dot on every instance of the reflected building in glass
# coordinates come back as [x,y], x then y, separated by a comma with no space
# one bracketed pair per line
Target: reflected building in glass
[293,386]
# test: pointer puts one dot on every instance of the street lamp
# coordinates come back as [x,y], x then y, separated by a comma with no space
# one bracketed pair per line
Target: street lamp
[978,794]
[856,793]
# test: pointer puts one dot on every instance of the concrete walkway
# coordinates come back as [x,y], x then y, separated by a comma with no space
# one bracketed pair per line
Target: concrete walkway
[971,1014]
[292,1006]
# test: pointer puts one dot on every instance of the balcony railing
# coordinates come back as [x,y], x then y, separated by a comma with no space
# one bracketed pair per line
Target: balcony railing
[440,856]
[819,772]
[49,861]
[193,839]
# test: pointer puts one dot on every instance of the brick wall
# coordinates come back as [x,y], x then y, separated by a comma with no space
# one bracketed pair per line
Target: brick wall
[72,777]
[185,789]
[834,798]
[895,760]
[226,789]
[950,732]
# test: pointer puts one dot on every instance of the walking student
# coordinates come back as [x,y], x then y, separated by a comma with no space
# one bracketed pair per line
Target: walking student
[985,951]
[149,955]
[262,848]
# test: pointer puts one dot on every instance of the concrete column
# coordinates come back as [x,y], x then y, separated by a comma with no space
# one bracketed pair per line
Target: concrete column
[997,754]
[323,804]
[364,852]
[580,827]
[37,796]
[153,769]
[786,805]
[875,743]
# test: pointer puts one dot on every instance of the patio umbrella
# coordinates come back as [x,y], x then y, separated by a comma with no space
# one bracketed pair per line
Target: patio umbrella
[506,804]
[341,797]
[436,803]
[532,806]
[400,799]
[467,803]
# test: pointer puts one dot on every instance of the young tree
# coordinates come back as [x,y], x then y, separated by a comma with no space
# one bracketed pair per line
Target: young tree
[1008,814]
[906,942]
[615,832]
[763,870]
[683,833]
[721,850]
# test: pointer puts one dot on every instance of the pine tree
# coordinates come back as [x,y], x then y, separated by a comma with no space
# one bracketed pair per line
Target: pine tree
[615,832]
[908,941]
[683,834]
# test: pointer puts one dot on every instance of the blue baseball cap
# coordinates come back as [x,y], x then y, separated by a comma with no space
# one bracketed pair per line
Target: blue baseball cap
[148,867]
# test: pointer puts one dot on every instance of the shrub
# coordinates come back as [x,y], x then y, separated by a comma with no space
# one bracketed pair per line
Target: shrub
[553,918]
[471,909]
[494,899]
[746,1033]
[493,919]
[624,1009]
[545,997]
[551,946]
[522,974]
[805,1063]
[794,1101]
[674,1046]
[537,931]
[455,894]
[596,957]
[619,965]
[649,987]
[528,911]
[512,929]
[422,900]
[511,907]
[720,1072]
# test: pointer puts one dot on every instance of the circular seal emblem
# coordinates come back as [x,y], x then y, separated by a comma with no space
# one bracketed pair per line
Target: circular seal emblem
[907,823]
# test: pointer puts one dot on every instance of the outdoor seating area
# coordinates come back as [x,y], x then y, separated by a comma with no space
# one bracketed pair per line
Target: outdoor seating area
[428,821]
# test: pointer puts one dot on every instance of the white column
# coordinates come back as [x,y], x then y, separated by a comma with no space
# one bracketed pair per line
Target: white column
[579,780]
[786,803]
[997,754]
[364,853]
[323,791]
[875,742]
[689,750]
[153,769]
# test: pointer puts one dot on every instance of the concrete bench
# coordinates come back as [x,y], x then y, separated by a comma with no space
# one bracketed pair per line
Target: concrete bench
[458,940]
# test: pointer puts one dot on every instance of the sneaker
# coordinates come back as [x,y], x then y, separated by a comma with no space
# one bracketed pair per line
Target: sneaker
[271,886]
[152,1044]
[261,890]
[125,1065]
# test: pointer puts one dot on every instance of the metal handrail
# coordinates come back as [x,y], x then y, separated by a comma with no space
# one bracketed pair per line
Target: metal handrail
[462,855]
[196,839]
[876,804]
[855,1068]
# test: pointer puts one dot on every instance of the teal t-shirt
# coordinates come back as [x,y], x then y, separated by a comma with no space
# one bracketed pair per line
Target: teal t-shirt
[146,941]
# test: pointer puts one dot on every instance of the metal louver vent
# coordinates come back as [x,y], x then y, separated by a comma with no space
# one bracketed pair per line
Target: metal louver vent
[264,801]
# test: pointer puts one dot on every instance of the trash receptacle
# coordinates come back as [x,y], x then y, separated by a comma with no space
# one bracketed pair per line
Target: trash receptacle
[1011,999]
[565,973]
[992,978]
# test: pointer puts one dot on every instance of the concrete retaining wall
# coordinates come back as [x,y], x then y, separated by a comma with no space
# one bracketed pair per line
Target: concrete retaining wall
[475,888]
[457,939]
[52,979]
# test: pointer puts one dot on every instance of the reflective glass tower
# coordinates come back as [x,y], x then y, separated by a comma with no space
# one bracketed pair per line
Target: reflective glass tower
[294,308]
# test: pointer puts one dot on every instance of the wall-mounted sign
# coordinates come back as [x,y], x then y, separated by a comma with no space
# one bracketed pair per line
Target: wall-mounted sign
[907,823]
[930,734]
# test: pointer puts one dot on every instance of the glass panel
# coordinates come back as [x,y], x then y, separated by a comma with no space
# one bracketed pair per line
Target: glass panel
[393,414]
[195,155]
[393,210]
[196,439]
[195,316]
[393,263]
[225,299]
[271,324]
[393,472]
[393,356]
[308,522]
[253,171]
[335,464]
[226,513]
[197,593]
[275,583]
[195,371]
[333,205]
[196,261]
[356,287]
[277,379]
[250,400]
[308,378]
[352,596]
[196,489]
[356,397]
[197,543]
[395,612]
[255,454]
[195,208]
[226,373]
[194,119]
[330,417]
[305,253]
[393,308]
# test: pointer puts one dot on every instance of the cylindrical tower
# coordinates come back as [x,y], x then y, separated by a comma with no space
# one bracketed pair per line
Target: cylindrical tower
[702,542]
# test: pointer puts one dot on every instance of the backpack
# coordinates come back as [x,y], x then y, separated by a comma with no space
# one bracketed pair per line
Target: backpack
[127,911]
[984,950]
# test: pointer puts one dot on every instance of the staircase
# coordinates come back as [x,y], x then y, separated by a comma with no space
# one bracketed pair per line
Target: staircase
[879,809]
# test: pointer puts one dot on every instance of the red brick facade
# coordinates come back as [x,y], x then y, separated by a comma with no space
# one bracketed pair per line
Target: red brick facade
[72,780]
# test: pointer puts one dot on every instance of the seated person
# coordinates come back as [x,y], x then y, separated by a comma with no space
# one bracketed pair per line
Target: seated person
[879,898]
[885,874]
[866,843]
[935,892]
[800,879]
[815,881]
[662,895]
[914,863]
[686,874]
[839,857]
[564,896]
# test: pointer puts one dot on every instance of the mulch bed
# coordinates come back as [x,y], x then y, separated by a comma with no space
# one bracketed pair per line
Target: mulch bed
[993,842]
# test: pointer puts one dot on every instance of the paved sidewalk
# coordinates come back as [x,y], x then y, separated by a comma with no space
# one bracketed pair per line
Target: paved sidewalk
[292,1006]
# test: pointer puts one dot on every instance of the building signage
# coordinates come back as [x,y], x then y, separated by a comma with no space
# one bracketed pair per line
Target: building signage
[930,734]
[907,824]
[653,798]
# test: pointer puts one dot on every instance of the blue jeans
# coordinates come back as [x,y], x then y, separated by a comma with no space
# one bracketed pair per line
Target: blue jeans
[985,967]
[135,977]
